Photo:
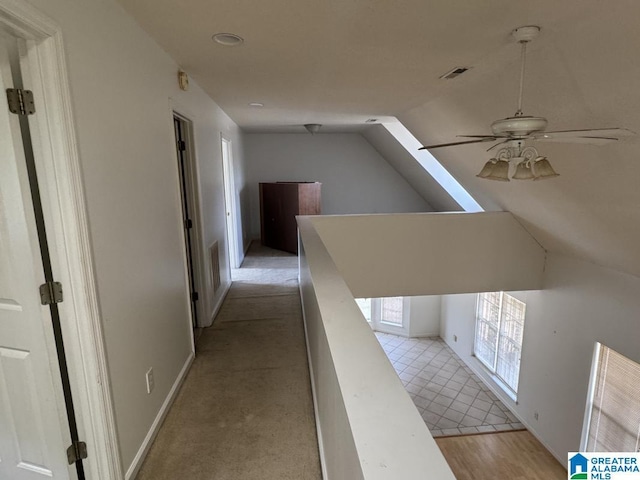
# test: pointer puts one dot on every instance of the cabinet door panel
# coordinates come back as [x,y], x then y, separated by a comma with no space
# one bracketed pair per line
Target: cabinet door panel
[279,205]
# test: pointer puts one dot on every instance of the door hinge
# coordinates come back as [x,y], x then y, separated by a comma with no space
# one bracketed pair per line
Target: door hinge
[21,101]
[182,145]
[188,223]
[50,293]
[194,296]
[77,451]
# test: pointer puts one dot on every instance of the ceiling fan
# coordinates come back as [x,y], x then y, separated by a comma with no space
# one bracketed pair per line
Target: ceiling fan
[513,132]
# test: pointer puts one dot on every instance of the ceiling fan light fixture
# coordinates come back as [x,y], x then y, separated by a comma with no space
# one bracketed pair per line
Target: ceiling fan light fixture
[515,132]
[543,170]
[523,171]
[499,172]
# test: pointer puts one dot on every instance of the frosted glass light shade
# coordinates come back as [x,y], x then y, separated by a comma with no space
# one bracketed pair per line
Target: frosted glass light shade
[542,169]
[487,169]
[523,171]
[500,171]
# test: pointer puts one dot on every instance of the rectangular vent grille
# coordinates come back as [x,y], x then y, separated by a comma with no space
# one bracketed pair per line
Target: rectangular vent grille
[214,253]
[454,73]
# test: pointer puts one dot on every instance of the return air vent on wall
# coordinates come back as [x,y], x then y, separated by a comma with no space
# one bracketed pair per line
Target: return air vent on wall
[454,73]
[214,254]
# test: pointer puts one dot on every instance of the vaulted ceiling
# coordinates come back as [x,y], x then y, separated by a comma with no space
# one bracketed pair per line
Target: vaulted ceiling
[341,62]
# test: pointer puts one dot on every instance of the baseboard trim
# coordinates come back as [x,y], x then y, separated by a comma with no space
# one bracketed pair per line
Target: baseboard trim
[133,469]
[218,305]
[323,465]
[532,431]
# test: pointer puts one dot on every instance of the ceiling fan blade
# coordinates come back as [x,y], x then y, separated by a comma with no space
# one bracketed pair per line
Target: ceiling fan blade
[481,136]
[452,144]
[589,132]
[576,139]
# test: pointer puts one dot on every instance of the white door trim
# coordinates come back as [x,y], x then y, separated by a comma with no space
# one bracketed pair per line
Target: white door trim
[57,161]
[193,186]
[228,180]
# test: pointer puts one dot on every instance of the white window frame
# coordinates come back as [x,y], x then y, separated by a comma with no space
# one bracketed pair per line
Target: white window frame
[492,368]
[379,325]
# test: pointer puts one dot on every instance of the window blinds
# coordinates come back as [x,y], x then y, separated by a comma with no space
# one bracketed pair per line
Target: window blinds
[614,424]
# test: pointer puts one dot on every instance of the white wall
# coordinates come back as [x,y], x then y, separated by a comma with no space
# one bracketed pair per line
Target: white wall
[354,177]
[581,304]
[424,316]
[432,253]
[123,87]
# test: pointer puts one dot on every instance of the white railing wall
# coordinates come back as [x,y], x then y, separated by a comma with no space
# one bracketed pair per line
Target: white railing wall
[432,253]
[368,426]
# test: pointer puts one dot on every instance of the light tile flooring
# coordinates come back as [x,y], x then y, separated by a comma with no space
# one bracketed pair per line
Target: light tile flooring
[450,397]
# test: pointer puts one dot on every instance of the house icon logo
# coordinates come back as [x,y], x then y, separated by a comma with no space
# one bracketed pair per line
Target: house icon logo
[578,467]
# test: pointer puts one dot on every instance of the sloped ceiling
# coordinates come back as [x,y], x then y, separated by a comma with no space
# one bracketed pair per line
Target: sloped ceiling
[583,76]
[339,62]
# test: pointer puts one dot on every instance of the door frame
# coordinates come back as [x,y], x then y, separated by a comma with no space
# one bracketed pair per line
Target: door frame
[192,183]
[228,180]
[59,174]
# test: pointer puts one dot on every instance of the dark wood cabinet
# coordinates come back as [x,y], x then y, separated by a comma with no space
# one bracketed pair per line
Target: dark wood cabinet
[280,202]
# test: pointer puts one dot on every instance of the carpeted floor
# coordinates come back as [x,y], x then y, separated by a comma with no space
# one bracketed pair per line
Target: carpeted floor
[245,410]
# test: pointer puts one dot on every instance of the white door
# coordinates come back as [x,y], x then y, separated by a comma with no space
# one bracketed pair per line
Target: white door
[33,430]
[229,202]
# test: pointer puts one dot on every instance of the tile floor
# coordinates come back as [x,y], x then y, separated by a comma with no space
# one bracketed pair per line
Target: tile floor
[450,397]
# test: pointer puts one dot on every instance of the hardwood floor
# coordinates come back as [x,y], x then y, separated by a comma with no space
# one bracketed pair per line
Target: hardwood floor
[509,455]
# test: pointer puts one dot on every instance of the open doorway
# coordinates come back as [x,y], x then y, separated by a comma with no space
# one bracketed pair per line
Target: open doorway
[229,202]
[188,195]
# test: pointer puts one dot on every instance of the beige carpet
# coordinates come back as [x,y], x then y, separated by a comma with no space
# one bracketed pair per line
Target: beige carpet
[245,410]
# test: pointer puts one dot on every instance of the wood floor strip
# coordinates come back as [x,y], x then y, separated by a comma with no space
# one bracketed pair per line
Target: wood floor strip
[480,433]
[508,455]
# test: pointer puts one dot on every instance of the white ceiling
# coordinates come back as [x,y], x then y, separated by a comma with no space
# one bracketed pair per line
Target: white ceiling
[340,62]
[336,61]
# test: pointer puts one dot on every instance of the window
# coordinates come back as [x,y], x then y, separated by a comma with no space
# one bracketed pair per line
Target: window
[498,340]
[391,311]
[613,412]
[389,314]
[365,307]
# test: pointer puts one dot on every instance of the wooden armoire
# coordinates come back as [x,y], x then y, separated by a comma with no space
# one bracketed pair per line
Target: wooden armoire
[280,202]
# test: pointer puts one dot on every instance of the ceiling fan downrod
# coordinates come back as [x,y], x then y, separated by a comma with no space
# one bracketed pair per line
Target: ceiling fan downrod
[524,35]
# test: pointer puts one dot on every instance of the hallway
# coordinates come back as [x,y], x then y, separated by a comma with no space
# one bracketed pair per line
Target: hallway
[245,410]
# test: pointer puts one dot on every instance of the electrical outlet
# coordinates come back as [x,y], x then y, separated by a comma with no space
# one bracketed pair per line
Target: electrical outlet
[535,415]
[150,381]
[455,338]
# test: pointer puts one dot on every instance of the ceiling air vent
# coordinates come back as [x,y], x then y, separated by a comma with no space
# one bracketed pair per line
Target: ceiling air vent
[454,73]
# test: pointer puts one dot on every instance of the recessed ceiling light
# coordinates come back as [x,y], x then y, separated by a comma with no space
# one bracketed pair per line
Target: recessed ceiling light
[256,104]
[228,39]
